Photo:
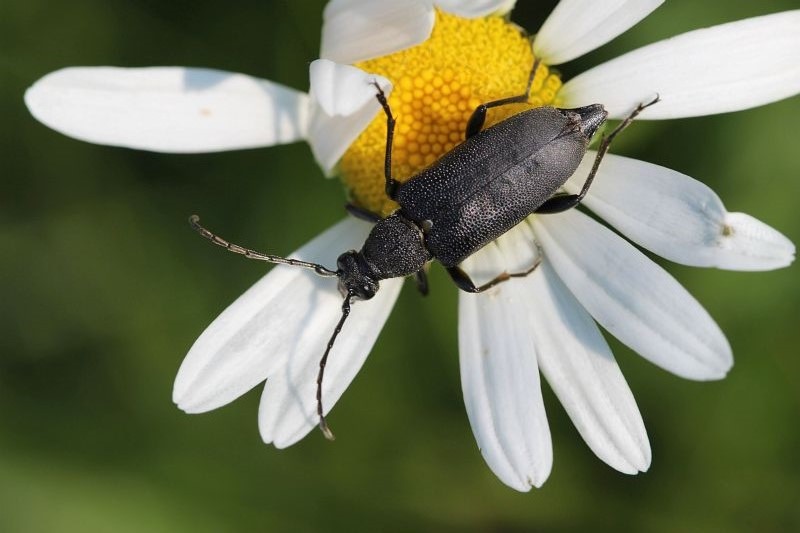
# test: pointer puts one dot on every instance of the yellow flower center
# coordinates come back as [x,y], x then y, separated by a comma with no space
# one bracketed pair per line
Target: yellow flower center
[437,86]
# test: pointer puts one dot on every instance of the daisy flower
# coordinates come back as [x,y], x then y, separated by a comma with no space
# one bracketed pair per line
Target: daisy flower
[437,60]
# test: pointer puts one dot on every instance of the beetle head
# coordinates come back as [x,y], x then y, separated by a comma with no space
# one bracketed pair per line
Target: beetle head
[591,118]
[355,276]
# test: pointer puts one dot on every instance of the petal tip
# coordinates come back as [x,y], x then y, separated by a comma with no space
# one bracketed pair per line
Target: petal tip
[643,464]
[716,373]
[192,405]
[537,480]
[187,407]
[35,100]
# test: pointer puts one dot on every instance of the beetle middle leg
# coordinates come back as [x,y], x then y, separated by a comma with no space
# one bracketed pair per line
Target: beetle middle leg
[465,283]
[562,202]
[421,277]
[391,183]
[475,123]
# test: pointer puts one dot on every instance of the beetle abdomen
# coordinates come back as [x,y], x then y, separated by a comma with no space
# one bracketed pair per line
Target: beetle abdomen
[459,232]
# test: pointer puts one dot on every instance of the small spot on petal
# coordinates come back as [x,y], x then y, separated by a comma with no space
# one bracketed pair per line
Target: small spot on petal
[727,230]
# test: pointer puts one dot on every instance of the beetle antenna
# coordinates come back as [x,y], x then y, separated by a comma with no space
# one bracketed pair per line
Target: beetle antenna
[194,220]
[323,424]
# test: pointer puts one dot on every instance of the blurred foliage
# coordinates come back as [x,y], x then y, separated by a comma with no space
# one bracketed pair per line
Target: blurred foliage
[105,287]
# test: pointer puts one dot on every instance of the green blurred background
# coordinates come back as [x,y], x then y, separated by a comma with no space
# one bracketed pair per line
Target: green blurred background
[105,287]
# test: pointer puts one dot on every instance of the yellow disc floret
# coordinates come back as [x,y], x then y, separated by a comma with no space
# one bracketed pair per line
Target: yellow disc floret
[437,85]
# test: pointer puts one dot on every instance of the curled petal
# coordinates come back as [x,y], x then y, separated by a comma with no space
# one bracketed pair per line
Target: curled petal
[576,27]
[288,409]
[580,368]
[729,67]
[678,217]
[633,298]
[266,326]
[168,109]
[343,104]
[342,90]
[500,381]
[356,30]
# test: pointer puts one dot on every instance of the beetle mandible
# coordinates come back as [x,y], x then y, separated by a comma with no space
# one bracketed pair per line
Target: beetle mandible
[471,196]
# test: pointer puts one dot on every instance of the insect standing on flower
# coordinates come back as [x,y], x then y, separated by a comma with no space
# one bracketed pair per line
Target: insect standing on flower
[469,197]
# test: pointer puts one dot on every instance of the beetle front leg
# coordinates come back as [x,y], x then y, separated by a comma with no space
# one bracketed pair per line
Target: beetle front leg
[465,283]
[361,213]
[391,183]
[475,122]
[562,202]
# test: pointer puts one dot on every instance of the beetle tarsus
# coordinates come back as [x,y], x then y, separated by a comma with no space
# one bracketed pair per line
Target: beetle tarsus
[465,283]
[326,431]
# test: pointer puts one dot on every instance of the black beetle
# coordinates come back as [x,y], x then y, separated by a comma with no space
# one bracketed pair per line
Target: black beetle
[469,197]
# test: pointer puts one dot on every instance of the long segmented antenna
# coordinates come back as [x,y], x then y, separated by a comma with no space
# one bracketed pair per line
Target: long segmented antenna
[323,425]
[194,220]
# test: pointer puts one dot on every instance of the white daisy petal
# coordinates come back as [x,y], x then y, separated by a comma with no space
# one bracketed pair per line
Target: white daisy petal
[580,368]
[515,251]
[500,381]
[519,248]
[633,298]
[342,90]
[752,245]
[476,8]
[576,27]
[356,30]
[265,326]
[168,109]
[733,66]
[343,104]
[678,217]
[288,409]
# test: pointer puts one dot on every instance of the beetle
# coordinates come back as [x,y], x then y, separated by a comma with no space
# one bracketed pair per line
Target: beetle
[469,197]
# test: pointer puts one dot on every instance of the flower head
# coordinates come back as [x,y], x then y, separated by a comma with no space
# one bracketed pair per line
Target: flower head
[438,61]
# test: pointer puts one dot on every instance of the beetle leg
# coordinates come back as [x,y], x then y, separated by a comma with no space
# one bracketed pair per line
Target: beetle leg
[391,183]
[562,202]
[465,283]
[421,277]
[475,123]
[361,213]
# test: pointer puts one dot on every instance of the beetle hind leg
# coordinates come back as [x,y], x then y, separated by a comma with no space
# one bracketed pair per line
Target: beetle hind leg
[562,202]
[465,283]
